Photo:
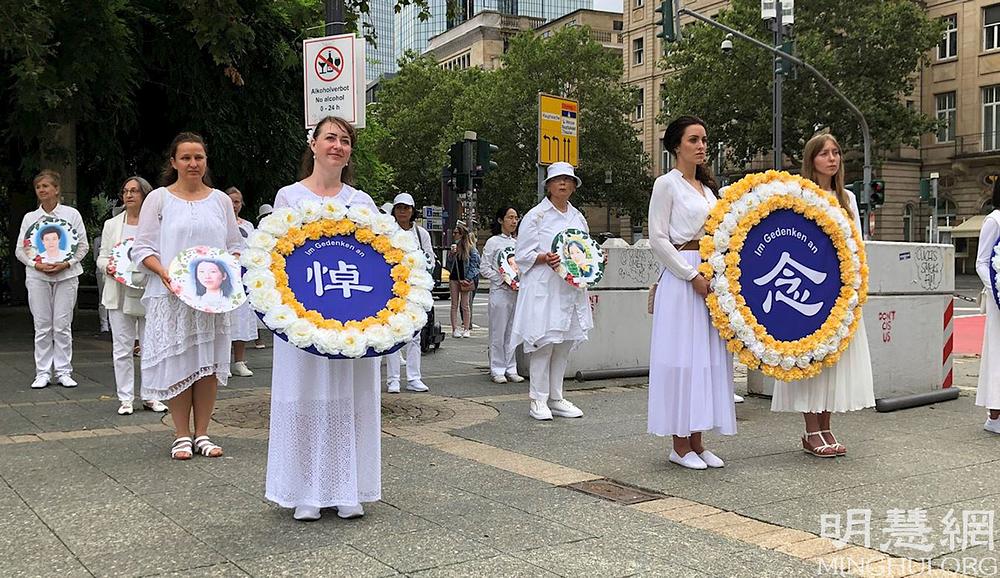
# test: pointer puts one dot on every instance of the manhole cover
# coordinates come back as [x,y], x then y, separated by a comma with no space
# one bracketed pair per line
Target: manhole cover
[615,491]
[254,412]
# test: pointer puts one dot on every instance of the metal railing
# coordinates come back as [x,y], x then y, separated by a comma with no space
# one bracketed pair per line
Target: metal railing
[974,144]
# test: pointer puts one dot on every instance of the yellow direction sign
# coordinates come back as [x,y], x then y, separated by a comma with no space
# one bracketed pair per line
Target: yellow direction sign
[558,130]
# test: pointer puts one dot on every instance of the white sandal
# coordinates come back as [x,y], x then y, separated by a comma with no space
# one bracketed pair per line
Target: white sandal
[182,445]
[205,447]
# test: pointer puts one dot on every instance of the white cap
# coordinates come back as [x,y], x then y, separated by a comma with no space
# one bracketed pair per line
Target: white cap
[404,199]
[559,169]
[265,209]
[387,208]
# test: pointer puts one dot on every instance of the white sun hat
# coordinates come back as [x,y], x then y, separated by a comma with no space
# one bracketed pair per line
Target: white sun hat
[559,169]
[265,210]
[404,199]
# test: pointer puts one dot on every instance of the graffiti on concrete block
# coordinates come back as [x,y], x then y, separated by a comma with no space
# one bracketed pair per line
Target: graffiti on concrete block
[929,264]
[638,266]
[885,319]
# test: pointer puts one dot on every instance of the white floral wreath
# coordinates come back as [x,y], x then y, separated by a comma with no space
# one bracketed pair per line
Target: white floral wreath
[287,228]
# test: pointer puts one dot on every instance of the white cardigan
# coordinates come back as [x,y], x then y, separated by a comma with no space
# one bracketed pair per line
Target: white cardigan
[112,290]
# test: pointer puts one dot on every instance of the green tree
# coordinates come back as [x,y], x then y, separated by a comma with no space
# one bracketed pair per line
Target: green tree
[869,50]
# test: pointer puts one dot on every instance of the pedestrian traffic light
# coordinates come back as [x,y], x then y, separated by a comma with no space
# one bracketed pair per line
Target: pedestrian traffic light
[460,162]
[878,193]
[785,66]
[925,190]
[666,22]
[484,156]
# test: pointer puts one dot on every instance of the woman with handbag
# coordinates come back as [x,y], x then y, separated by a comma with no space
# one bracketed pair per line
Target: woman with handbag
[463,268]
[988,389]
[125,312]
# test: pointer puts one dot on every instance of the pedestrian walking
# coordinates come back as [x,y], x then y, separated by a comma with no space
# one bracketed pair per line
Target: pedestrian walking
[690,370]
[125,312]
[551,317]
[463,270]
[52,284]
[848,385]
[325,440]
[185,352]
[403,210]
[503,297]
[244,319]
[988,389]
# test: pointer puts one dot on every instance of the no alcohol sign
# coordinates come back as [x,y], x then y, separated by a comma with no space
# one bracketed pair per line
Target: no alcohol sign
[334,78]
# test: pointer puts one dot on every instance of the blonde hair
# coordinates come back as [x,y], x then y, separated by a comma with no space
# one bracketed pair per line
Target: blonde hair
[809,154]
[47,174]
[466,243]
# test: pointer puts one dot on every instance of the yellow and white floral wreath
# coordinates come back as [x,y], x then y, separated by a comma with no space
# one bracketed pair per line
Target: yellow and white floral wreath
[287,228]
[745,204]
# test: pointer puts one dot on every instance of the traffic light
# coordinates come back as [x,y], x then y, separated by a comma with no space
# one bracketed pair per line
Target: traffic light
[858,188]
[785,66]
[666,22]
[484,155]
[460,163]
[878,193]
[925,191]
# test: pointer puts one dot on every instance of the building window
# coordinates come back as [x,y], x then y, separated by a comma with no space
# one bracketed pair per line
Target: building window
[991,27]
[617,25]
[666,159]
[946,115]
[637,52]
[991,117]
[640,107]
[640,3]
[948,47]
[908,223]
[947,212]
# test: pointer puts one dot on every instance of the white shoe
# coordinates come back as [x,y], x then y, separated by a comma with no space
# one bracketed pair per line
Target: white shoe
[690,461]
[711,460]
[154,405]
[392,387]
[539,410]
[992,425]
[467,333]
[125,408]
[416,385]
[514,378]
[66,381]
[240,369]
[497,378]
[737,398]
[306,513]
[348,512]
[40,382]
[563,408]
[456,334]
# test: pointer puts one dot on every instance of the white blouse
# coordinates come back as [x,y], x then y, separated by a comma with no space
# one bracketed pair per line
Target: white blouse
[677,214]
[68,214]
[295,193]
[988,236]
[488,267]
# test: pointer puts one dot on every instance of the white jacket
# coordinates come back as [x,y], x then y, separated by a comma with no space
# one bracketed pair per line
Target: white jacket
[111,293]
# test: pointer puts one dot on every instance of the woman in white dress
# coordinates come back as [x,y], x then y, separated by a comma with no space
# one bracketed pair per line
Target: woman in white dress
[988,390]
[848,385]
[52,286]
[185,352]
[243,317]
[551,317]
[502,298]
[690,370]
[125,312]
[325,445]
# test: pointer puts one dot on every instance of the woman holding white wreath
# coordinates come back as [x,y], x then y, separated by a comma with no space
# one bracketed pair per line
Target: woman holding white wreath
[988,389]
[848,385]
[52,286]
[243,317]
[502,298]
[690,369]
[325,434]
[551,317]
[125,312]
[185,352]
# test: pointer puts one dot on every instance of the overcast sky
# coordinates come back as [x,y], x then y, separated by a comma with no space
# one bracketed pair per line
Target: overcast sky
[608,5]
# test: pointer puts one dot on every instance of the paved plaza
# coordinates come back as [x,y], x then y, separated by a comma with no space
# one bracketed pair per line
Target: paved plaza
[472,486]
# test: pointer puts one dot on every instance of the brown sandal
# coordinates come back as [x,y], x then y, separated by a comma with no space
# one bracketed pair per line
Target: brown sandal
[824,451]
[839,447]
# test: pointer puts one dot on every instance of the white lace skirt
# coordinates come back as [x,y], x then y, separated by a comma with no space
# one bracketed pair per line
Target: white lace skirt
[244,323]
[180,346]
[325,446]
[988,389]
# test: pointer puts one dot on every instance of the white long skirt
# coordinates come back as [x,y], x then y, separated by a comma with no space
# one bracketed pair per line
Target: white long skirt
[847,386]
[988,389]
[244,323]
[325,445]
[690,370]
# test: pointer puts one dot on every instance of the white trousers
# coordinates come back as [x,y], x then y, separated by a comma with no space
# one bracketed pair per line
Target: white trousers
[412,352]
[51,304]
[501,311]
[124,331]
[548,365]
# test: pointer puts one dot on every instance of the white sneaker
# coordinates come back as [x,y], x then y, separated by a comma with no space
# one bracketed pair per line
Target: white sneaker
[563,408]
[154,405]
[467,333]
[737,398]
[348,512]
[416,385]
[690,461]
[497,378]
[240,369]
[40,382]
[66,381]
[456,334]
[125,408]
[514,378]
[711,460]
[992,425]
[306,513]
[539,410]
[392,387]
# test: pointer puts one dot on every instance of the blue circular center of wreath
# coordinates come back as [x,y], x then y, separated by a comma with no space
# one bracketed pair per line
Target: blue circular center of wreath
[339,277]
[789,274]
